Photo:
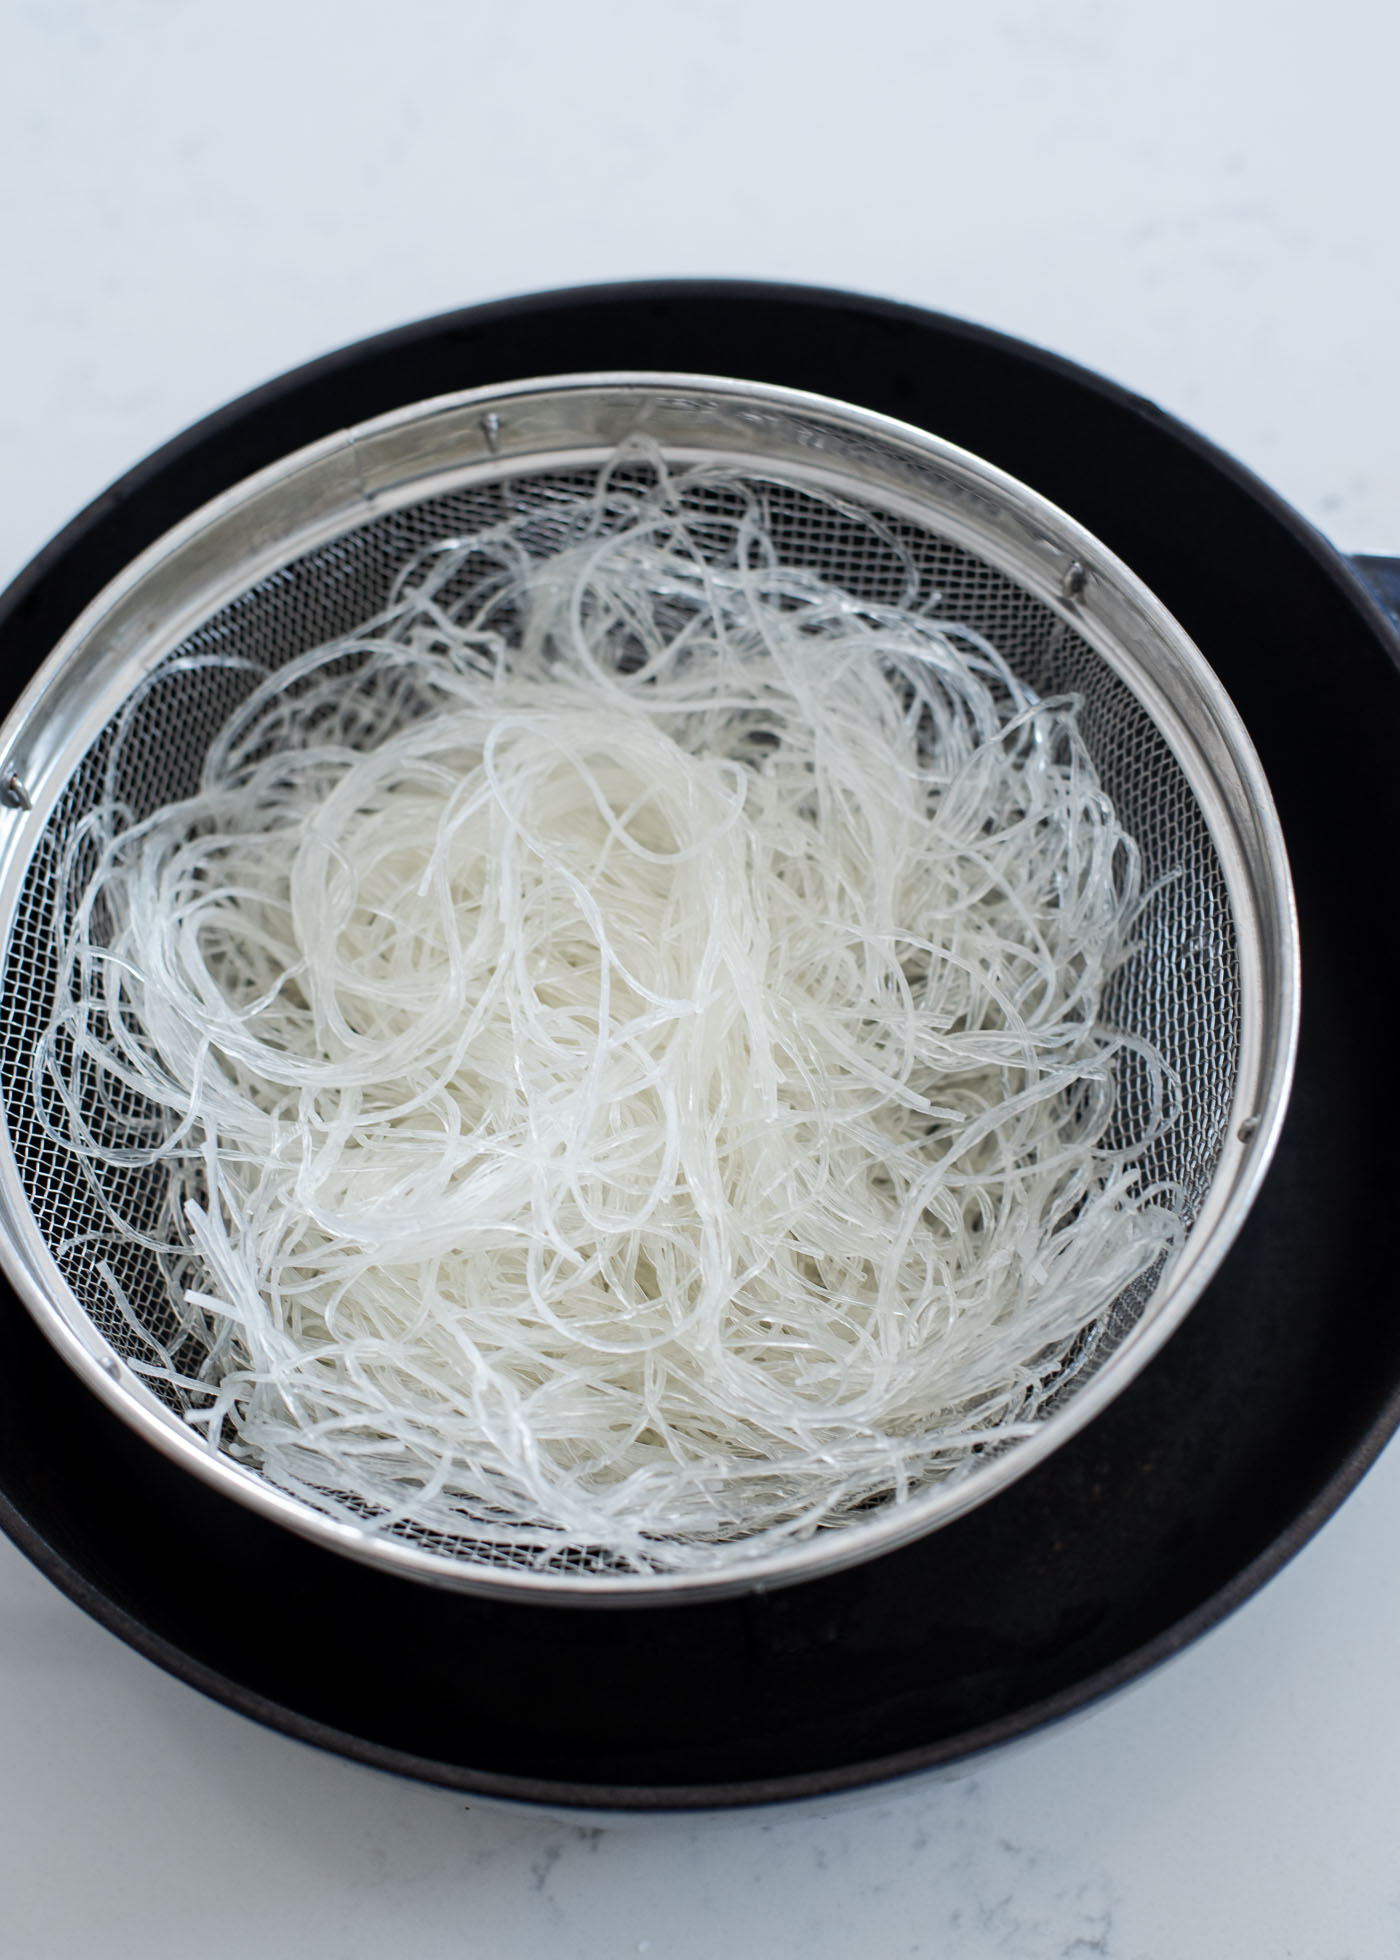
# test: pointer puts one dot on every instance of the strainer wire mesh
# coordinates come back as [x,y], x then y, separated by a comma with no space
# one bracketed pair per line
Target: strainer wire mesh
[1180,993]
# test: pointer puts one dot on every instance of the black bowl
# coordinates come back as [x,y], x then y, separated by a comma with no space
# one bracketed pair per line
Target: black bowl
[1208,1472]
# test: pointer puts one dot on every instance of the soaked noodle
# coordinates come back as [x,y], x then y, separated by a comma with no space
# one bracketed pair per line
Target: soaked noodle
[622,1031]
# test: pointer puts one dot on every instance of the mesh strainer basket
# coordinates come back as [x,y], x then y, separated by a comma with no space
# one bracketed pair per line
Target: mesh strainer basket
[308,549]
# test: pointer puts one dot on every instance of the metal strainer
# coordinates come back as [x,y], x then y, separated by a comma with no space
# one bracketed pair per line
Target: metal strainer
[308,549]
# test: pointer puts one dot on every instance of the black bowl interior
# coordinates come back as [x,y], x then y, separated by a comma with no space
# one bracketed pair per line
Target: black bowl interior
[1171,1508]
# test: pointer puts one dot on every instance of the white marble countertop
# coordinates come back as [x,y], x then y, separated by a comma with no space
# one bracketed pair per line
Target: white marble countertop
[1198,200]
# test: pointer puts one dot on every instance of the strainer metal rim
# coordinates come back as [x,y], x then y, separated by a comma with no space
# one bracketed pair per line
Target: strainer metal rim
[348,478]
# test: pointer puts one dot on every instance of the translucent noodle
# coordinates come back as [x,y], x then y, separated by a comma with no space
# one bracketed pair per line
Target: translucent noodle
[623,1032]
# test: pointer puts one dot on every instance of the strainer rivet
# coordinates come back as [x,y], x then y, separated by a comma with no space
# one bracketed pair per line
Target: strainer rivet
[13,793]
[1072,584]
[491,429]
[1247,1128]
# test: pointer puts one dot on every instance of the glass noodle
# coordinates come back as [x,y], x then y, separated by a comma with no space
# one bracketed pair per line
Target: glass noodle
[622,1030]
